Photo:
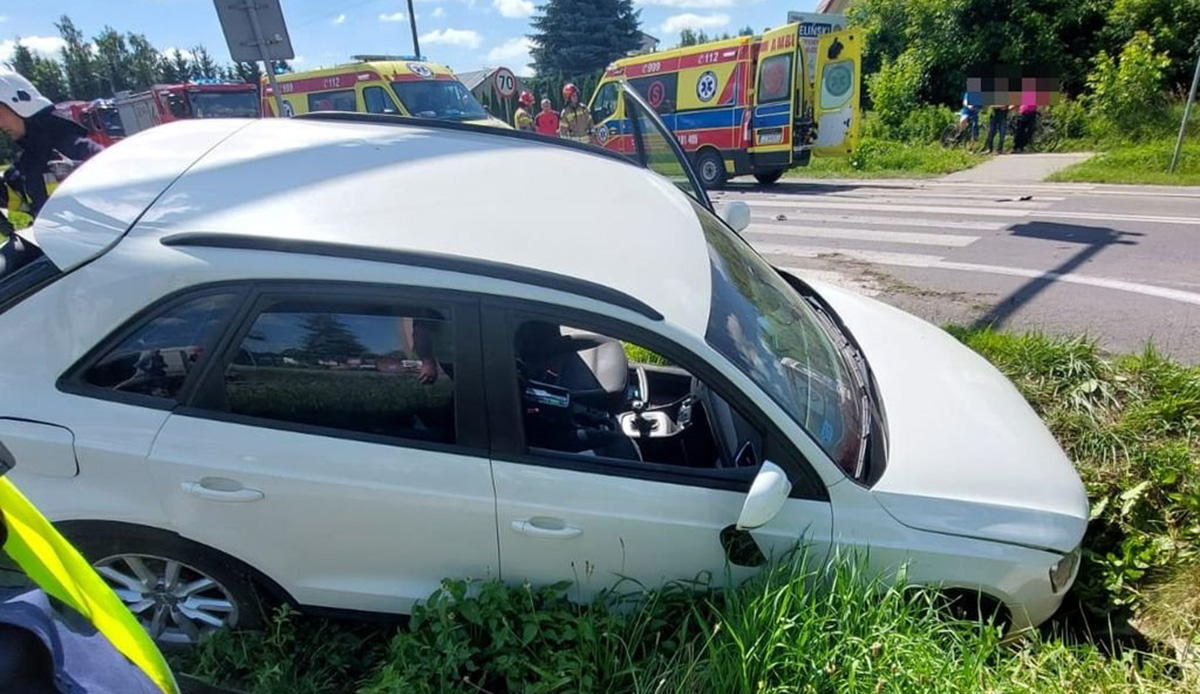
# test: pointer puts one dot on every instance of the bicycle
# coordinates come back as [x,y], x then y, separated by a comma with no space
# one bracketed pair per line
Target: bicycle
[1046,135]
[955,135]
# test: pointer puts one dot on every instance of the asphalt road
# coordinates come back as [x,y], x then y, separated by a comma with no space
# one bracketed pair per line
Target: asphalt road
[1119,263]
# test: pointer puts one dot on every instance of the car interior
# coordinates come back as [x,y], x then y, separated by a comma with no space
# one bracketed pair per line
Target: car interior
[582,394]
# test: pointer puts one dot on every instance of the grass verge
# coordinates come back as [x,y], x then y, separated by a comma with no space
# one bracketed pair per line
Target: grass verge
[1137,164]
[876,158]
[1132,425]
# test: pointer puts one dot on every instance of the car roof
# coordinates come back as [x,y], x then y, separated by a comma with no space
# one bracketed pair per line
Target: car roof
[407,186]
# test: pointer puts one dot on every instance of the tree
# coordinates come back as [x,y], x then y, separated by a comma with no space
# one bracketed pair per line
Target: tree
[145,63]
[1172,24]
[181,67]
[203,64]
[48,78]
[329,338]
[577,37]
[78,62]
[114,63]
[248,72]
[22,60]
[746,31]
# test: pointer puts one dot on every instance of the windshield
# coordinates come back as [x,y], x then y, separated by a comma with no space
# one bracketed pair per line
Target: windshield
[773,336]
[224,104]
[439,99]
[110,121]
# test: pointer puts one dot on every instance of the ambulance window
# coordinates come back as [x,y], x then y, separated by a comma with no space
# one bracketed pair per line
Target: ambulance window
[343,100]
[658,90]
[378,101]
[605,103]
[775,79]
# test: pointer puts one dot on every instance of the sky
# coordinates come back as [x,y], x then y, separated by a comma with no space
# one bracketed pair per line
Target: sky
[465,34]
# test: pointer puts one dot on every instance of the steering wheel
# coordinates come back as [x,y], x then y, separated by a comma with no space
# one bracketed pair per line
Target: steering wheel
[729,430]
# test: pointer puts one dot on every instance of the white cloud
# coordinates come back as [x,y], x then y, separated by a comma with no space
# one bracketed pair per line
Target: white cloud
[695,4]
[45,46]
[513,8]
[514,52]
[3,18]
[438,13]
[298,60]
[453,37]
[689,20]
[169,53]
[393,17]
[339,19]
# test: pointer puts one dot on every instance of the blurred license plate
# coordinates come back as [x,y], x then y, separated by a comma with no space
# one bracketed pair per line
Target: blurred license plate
[770,137]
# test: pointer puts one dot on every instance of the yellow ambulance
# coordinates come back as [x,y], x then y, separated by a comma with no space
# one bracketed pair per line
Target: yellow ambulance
[742,105]
[379,84]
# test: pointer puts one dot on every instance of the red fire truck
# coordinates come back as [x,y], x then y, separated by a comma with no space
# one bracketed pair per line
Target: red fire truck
[98,116]
[164,103]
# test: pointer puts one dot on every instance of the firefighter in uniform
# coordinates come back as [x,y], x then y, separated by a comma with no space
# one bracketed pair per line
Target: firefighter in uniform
[522,118]
[575,123]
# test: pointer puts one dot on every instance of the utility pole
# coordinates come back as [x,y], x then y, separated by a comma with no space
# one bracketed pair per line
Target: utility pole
[412,23]
[1187,109]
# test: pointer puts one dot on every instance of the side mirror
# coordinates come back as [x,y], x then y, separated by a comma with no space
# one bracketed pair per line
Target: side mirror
[767,495]
[736,214]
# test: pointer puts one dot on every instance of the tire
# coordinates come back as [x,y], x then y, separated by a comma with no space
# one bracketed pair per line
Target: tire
[950,135]
[710,168]
[210,589]
[768,177]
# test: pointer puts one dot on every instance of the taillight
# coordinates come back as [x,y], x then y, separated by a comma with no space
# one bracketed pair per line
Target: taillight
[746,118]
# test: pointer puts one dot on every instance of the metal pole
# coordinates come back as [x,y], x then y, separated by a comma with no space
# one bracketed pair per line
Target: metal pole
[412,23]
[252,9]
[1187,110]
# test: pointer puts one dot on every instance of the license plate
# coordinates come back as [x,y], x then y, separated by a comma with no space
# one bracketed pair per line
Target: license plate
[770,137]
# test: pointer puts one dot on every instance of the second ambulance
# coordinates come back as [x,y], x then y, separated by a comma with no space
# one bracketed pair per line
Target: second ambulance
[379,84]
[742,105]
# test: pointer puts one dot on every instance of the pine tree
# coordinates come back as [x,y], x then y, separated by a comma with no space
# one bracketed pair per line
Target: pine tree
[22,60]
[145,63]
[248,72]
[577,37]
[181,67]
[203,64]
[114,63]
[78,62]
[746,31]
[329,338]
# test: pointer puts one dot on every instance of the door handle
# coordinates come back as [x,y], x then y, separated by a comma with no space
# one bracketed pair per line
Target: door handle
[551,528]
[217,489]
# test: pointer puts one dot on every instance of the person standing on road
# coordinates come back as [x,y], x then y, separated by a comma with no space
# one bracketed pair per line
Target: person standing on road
[575,122]
[522,119]
[997,124]
[29,119]
[547,121]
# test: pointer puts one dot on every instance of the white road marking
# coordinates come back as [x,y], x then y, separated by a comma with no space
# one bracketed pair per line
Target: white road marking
[824,203]
[915,237]
[889,221]
[940,200]
[938,263]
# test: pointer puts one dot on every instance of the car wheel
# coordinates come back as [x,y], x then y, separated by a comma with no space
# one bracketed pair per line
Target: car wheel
[710,167]
[768,177]
[179,590]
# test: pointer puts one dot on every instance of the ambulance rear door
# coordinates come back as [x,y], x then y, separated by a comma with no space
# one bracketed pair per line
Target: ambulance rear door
[837,111]
[774,98]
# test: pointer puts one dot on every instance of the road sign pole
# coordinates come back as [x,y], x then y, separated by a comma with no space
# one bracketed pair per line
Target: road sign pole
[252,10]
[1187,110]
[412,24]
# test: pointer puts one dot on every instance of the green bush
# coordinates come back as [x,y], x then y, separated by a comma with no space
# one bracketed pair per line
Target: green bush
[1071,119]
[1127,95]
[895,92]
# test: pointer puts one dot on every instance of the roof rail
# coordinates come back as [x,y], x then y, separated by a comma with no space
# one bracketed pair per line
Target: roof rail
[435,261]
[437,123]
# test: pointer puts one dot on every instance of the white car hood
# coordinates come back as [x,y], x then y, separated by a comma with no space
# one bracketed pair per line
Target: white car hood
[967,454]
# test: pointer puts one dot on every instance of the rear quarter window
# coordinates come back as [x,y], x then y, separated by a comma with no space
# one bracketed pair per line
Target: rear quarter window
[24,269]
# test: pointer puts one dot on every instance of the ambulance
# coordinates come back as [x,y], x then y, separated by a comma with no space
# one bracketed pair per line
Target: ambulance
[379,84]
[742,105]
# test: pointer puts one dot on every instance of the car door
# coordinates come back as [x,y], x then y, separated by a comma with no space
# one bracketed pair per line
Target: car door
[836,92]
[337,445]
[774,96]
[604,517]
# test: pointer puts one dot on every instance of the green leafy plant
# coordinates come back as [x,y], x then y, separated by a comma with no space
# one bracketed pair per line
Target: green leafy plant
[1128,93]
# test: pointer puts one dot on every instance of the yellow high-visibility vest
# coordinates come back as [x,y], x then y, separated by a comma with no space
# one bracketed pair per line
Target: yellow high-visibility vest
[58,568]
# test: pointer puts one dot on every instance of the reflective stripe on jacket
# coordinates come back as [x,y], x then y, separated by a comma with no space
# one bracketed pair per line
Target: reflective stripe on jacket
[57,568]
[575,122]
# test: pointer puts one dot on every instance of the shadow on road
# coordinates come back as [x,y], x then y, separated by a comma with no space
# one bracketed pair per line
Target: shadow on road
[1092,241]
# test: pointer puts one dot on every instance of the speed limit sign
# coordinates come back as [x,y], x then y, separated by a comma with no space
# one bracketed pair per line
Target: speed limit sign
[506,83]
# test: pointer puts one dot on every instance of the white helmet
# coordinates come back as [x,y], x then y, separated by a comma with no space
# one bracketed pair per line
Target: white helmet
[17,93]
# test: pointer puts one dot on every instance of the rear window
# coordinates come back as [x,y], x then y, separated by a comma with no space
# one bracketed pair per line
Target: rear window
[24,269]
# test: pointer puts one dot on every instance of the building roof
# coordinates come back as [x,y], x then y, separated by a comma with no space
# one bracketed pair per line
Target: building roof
[455,192]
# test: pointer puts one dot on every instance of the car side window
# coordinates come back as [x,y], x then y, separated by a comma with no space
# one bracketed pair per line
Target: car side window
[775,79]
[588,393]
[377,101]
[156,358]
[343,100]
[368,366]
